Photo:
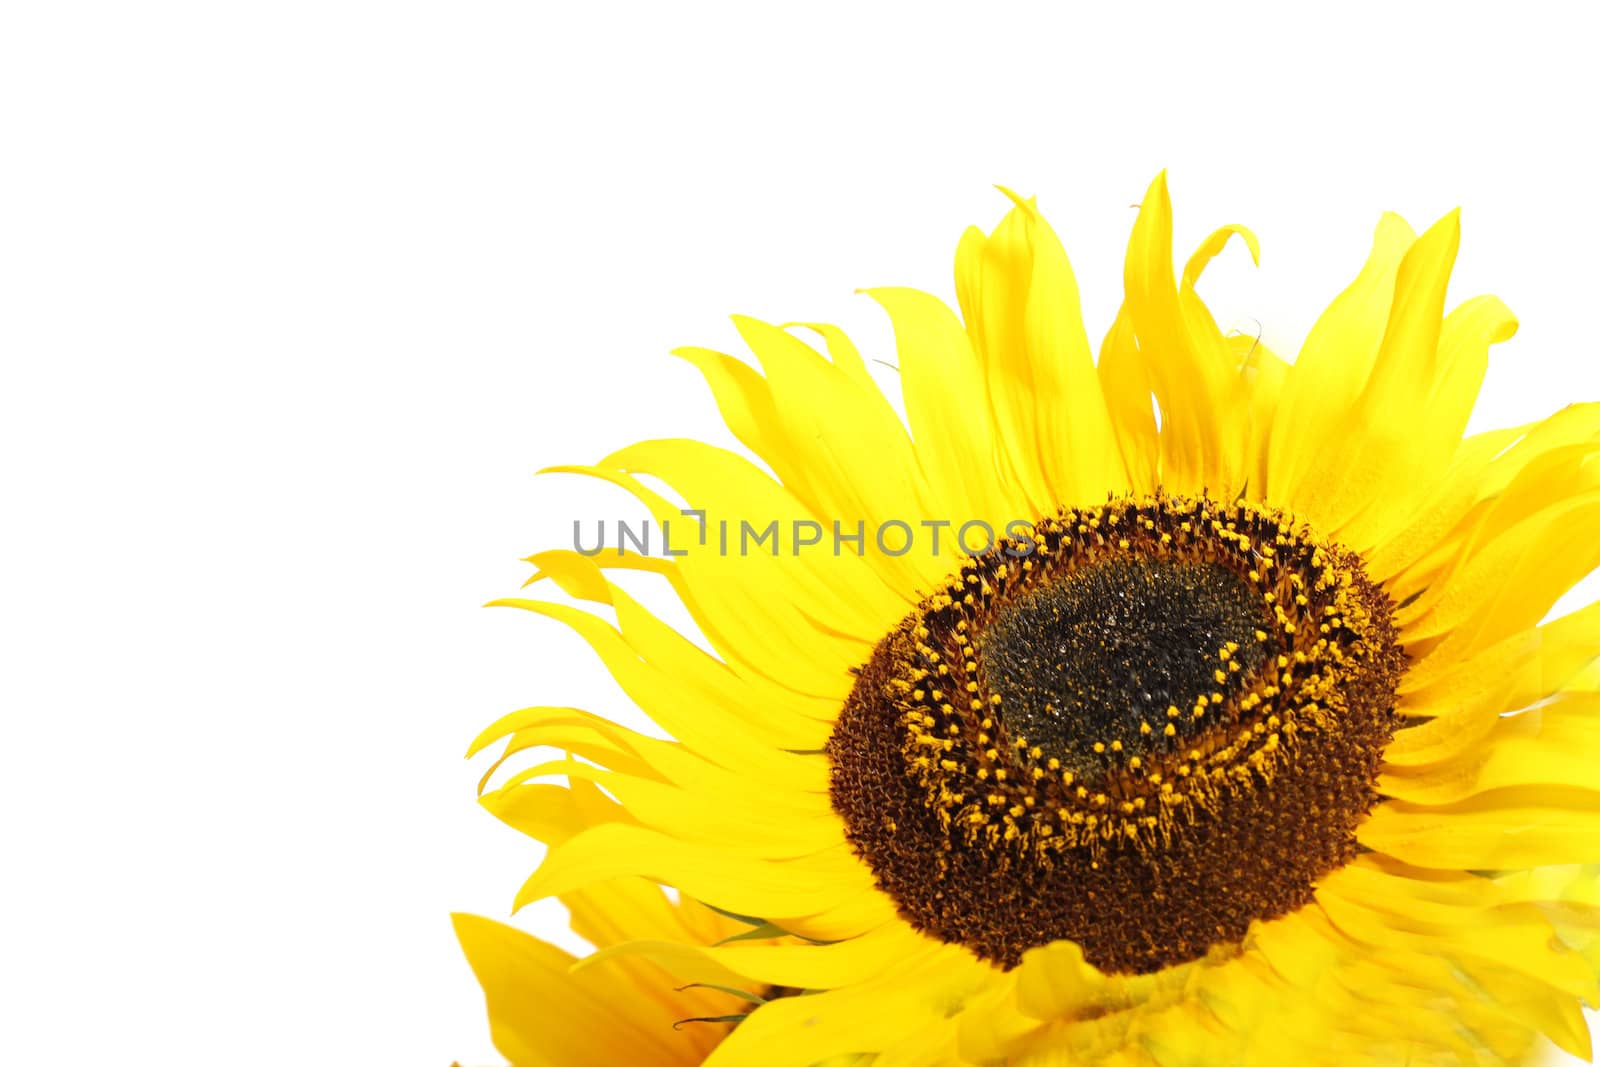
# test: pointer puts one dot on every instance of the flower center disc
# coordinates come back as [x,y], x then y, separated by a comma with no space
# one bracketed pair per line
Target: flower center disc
[1141,729]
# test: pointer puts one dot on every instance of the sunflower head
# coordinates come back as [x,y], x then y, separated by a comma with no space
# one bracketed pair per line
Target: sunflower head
[1063,740]
[1248,742]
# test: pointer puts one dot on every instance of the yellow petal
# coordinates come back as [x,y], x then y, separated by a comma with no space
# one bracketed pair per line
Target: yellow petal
[571,730]
[1513,581]
[928,987]
[625,910]
[1463,357]
[1554,461]
[1557,745]
[1551,478]
[796,964]
[1264,375]
[1186,360]
[1540,661]
[620,913]
[1126,385]
[652,759]
[1332,367]
[991,289]
[584,577]
[552,813]
[825,896]
[1443,507]
[1055,982]
[1461,918]
[951,424]
[709,583]
[748,408]
[841,592]
[1512,674]
[1388,436]
[1020,302]
[685,962]
[858,461]
[668,697]
[541,1015]
[1537,463]
[1497,830]
[724,812]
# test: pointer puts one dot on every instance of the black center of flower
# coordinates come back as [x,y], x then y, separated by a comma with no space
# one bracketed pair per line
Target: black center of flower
[1112,645]
[1141,729]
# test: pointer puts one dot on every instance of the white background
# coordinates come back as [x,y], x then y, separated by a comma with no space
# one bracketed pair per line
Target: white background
[296,297]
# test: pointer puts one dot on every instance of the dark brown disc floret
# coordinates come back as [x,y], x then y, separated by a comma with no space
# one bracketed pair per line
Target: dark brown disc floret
[1141,728]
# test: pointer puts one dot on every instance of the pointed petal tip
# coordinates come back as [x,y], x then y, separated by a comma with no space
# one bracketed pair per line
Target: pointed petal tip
[1449,223]
[532,890]
[1392,223]
[1438,244]
[467,925]
[1026,204]
[1157,197]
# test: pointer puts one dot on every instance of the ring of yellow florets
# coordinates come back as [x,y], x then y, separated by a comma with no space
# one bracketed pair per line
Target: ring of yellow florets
[1140,728]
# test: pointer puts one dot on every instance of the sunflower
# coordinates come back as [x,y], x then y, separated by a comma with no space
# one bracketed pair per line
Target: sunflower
[1222,724]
